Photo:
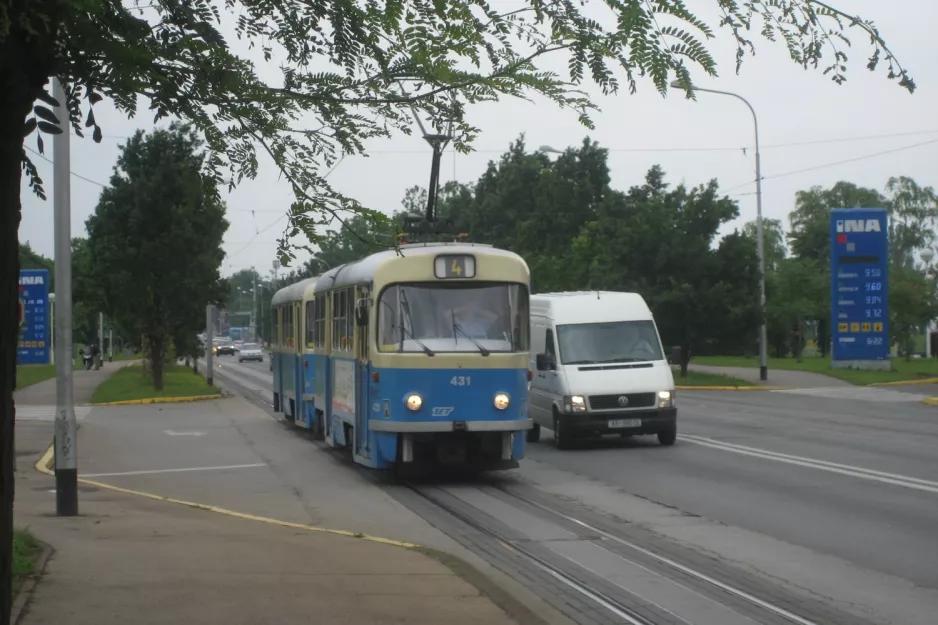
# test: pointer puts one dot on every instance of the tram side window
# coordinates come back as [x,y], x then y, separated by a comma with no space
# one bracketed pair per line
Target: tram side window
[288,326]
[339,319]
[310,323]
[319,321]
[349,317]
[274,337]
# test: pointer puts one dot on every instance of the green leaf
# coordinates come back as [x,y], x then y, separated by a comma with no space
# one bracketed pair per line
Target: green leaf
[44,96]
[29,126]
[46,114]
[49,128]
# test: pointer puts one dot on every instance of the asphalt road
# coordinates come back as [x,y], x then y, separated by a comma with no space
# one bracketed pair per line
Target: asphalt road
[830,490]
[726,467]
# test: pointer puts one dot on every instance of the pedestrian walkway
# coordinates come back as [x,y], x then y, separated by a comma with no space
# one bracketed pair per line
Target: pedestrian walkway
[777,377]
[27,412]
[860,393]
[84,384]
[129,559]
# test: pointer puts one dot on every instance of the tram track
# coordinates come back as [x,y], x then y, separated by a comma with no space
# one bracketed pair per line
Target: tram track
[725,589]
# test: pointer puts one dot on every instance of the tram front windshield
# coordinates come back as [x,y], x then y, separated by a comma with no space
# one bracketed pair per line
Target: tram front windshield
[487,317]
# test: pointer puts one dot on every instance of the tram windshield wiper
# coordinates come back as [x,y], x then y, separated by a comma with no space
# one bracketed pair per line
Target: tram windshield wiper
[427,350]
[482,349]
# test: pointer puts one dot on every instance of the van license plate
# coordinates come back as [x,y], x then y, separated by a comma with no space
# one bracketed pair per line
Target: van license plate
[625,423]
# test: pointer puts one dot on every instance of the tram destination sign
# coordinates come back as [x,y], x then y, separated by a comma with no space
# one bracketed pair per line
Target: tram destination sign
[859,284]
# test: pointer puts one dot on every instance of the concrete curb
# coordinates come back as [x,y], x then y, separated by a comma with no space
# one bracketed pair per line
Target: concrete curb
[930,401]
[158,400]
[21,600]
[731,388]
[907,382]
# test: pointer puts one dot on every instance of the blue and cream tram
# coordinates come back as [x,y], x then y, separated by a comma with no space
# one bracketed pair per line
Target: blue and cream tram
[412,356]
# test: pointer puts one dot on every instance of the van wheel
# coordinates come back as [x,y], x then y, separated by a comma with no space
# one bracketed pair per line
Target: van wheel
[562,435]
[668,437]
[534,434]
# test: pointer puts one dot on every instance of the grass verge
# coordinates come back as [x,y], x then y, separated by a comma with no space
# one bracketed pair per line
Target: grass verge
[27,375]
[131,383]
[903,370]
[26,551]
[699,378]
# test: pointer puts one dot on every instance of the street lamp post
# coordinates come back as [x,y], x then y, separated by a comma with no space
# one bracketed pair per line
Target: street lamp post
[760,242]
[927,255]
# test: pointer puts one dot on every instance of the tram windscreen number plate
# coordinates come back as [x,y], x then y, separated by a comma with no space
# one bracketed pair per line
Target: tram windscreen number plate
[451,266]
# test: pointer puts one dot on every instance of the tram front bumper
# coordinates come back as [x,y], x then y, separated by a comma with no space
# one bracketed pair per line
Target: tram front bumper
[419,427]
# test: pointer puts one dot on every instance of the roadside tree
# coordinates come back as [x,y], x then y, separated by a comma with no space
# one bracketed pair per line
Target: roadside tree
[155,242]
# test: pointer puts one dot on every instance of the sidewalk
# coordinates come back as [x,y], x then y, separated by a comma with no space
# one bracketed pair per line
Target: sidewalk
[129,559]
[83,385]
[132,560]
[777,377]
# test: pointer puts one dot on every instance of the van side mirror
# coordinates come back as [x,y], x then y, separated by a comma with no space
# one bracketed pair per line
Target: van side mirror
[545,362]
[361,312]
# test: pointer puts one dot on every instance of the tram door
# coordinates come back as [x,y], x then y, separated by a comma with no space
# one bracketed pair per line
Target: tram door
[363,375]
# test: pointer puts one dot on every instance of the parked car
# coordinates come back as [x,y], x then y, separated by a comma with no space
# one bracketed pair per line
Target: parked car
[250,351]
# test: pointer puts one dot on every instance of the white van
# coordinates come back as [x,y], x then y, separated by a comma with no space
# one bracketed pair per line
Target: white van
[599,368]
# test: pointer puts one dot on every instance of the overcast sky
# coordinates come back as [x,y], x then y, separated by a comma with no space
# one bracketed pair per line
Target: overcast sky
[813,132]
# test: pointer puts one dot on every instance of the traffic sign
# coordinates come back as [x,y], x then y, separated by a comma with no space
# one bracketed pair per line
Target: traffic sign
[33,347]
[859,283]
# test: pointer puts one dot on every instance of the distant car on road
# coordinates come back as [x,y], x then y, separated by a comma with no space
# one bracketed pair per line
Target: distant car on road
[224,348]
[250,351]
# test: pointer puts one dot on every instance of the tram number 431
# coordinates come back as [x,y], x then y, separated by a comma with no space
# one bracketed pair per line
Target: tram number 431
[461,380]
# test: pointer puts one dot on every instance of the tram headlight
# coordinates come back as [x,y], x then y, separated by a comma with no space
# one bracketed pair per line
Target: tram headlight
[414,402]
[502,400]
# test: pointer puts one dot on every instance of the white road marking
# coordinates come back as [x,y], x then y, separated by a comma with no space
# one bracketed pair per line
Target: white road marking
[175,433]
[221,468]
[821,465]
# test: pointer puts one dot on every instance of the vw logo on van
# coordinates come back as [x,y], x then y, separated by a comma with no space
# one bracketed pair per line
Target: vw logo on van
[623,401]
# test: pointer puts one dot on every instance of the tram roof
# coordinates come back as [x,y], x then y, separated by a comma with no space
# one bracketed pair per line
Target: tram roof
[363,270]
[293,292]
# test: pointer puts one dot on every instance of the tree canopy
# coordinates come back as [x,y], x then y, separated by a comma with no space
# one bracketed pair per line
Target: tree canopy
[671,245]
[155,243]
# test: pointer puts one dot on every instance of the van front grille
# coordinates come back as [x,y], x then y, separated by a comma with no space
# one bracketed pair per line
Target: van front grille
[611,402]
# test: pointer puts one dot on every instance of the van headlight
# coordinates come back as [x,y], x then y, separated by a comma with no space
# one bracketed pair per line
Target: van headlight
[665,399]
[502,400]
[574,403]
[414,402]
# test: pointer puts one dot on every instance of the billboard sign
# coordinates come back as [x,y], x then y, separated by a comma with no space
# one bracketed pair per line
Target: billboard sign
[33,346]
[859,283]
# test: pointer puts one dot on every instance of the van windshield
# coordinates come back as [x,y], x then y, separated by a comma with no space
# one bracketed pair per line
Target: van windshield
[617,341]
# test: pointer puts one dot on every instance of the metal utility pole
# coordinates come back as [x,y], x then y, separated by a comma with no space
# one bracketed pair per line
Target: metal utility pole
[760,238]
[209,323]
[66,430]
[254,304]
[52,327]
